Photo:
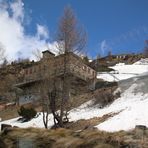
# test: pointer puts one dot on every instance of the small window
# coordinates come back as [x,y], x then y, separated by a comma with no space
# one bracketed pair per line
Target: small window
[93,73]
[44,67]
[30,71]
[84,68]
[26,71]
[34,69]
[88,70]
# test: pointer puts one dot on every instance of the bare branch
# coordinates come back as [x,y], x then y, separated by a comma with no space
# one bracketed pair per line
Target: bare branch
[70,36]
[146,49]
[37,53]
[2,53]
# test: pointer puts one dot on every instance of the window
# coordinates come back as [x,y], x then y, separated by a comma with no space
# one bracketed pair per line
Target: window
[34,69]
[94,73]
[44,68]
[88,70]
[40,67]
[26,71]
[30,71]
[84,68]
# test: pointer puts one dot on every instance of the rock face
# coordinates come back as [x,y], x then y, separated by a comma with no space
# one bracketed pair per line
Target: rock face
[2,144]
[140,127]
[141,81]
[141,131]
[4,126]
[9,75]
[25,143]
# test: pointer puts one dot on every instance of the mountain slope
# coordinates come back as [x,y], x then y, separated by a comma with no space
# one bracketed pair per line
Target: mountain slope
[134,105]
[123,71]
[131,108]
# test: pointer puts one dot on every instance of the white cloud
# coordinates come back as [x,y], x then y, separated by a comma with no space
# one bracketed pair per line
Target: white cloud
[132,36]
[12,31]
[42,32]
[17,10]
[103,47]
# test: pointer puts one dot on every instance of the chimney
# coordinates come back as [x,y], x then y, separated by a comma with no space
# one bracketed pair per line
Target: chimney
[47,54]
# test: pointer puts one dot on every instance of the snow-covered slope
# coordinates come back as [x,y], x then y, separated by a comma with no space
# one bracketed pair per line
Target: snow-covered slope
[36,122]
[111,77]
[134,103]
[123,71]
[142,62]
[132,107]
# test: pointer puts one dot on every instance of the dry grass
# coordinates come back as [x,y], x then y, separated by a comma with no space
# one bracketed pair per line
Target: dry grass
[9,113]
[65,138]
[89,123]
[80,99]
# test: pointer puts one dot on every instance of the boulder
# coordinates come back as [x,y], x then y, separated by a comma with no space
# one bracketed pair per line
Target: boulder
[2,144]
[141,131]
[3,126]
[140,127]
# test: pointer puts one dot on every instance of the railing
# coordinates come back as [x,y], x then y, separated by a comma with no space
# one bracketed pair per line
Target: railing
[75,70]
[30,78]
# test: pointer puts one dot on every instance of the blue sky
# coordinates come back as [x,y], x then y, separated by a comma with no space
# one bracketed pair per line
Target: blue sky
[120,26]
[117,25]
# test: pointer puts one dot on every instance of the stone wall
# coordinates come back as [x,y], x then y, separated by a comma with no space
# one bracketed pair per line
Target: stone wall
[74,65]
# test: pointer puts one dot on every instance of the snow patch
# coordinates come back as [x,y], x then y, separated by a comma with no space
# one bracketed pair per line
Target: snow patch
[123,71]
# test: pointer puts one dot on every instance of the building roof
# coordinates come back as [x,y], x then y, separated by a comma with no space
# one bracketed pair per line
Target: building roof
[47,51]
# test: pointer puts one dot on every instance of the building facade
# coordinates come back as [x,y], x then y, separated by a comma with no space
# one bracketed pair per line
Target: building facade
[50,67]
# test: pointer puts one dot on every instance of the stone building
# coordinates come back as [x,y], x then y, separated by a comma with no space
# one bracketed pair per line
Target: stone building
[51,66]
[112,60]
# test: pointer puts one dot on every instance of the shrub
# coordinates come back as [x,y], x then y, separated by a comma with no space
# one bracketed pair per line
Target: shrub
[102,68]
[27,113]
[103,98]
[105,84]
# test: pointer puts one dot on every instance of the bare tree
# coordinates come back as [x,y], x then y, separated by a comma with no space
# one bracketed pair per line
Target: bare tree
[37,54]
[4,63]
[70,35]
[2,53]
[54,90]
[146,49]
[71,38]
[44,90]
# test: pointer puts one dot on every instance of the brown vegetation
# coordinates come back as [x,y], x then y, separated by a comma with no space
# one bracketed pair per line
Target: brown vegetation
[89,123]
[12,112]
[63,138]
[9,113]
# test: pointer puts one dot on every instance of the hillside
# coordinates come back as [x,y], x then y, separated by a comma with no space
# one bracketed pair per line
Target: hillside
[123,71]
[127,111]
[9,75]
[133,105]
[131,109]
